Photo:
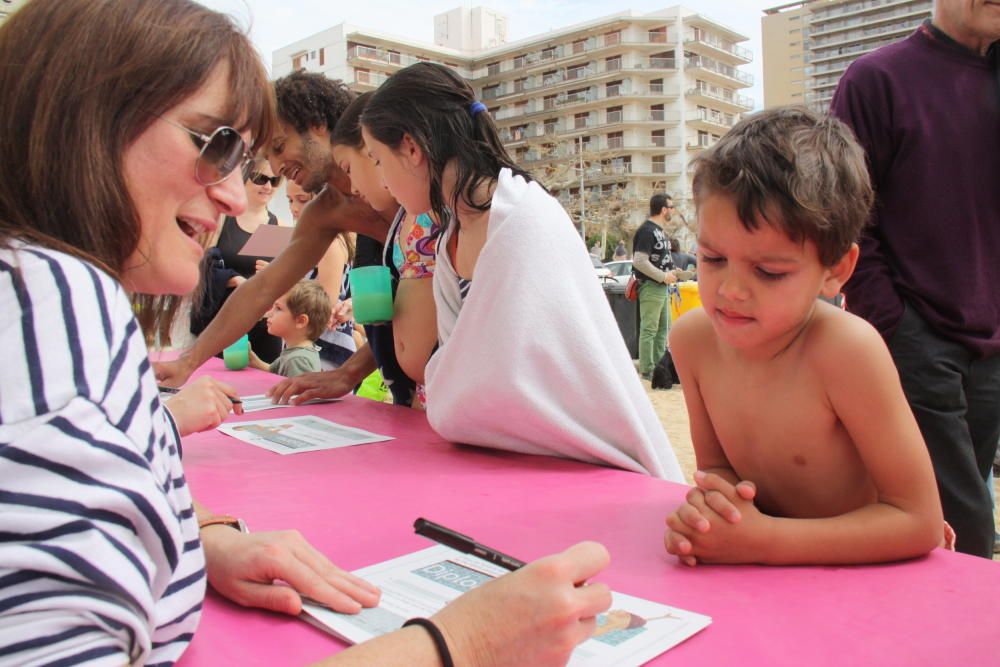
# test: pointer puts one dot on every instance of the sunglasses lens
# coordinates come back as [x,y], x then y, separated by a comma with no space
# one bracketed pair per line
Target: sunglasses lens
[220,156]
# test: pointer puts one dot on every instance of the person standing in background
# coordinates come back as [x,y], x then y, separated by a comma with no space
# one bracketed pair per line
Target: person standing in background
[927,111]
[620,252]
[653,267]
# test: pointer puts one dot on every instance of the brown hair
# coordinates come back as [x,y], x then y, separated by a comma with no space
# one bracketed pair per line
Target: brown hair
[801,172]
[309,298]
[85,78]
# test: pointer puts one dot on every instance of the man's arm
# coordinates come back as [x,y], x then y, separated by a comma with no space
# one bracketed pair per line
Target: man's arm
[325,384]
[321,220]
[862,102]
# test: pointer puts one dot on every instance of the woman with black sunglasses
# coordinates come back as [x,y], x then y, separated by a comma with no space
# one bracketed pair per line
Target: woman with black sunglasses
[260,184]
[104,557]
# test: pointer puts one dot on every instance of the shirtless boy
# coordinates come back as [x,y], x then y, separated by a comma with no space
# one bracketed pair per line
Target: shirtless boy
[806,448]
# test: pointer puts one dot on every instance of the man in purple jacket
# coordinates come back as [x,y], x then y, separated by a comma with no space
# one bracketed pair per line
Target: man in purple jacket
[927,111]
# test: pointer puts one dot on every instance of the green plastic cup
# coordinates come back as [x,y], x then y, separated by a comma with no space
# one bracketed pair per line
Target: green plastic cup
[236,357]
[371,294]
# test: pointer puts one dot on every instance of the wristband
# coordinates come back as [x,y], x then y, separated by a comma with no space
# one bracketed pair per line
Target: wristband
[224,520]
[439,642]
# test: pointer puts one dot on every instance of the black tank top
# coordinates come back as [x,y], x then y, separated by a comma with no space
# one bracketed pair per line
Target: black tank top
[231,239]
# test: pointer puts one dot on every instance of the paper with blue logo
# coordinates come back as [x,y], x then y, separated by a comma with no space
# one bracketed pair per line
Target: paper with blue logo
[630,634]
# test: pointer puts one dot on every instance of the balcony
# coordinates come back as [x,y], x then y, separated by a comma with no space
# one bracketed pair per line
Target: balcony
[715,118]
[719,94]
[701,38]
[853,8]
[827,28]
[862,34]
[367,79]
[720,69]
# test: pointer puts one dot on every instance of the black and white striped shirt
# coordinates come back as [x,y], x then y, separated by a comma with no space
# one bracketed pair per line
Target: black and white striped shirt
[100,561]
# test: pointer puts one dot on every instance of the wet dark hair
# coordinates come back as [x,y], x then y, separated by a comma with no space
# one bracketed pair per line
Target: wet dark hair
[801,172]
[348,129]
[310,99]
[434,106]
[657,202]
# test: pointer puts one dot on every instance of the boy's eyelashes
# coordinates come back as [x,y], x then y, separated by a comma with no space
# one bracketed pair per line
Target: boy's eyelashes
[762,272]
[770,275]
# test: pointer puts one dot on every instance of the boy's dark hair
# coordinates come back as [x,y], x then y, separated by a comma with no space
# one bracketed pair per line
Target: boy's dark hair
[675,245]
[657,202]
[309,298]
[347,132]
[801,172]
[309,99]
[435,106]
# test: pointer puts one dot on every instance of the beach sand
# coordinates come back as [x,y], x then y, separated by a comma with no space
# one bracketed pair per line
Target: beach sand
[669,405]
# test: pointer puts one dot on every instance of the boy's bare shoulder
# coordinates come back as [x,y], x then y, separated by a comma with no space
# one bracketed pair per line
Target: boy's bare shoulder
[692,330]
[838,338]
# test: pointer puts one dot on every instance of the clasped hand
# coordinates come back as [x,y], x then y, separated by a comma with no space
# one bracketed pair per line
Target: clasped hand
[718,523]
[202,405]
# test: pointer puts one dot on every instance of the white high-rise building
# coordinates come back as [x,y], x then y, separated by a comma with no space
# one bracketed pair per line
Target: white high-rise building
[616,106]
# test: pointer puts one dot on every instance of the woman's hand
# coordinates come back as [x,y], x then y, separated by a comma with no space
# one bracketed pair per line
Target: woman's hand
[260,264]
[202,405]
[343,311]
[244,567]
[535,616]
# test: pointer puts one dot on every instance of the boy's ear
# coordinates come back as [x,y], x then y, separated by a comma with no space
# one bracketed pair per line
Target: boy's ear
[301,321]
[839,273]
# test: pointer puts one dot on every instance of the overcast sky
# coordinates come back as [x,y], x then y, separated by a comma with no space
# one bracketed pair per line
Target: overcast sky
[276,23]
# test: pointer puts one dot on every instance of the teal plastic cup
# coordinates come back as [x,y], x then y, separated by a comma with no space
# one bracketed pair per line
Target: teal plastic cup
[236,357]
[371,294]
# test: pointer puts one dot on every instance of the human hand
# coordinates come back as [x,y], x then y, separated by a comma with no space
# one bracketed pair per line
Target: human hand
[172,373]
[235,282]
[260,264]
[669,278]
[535,616]
[244,567]
[343,311]
[305,387]
[696,532]
[713,491]
[202,405]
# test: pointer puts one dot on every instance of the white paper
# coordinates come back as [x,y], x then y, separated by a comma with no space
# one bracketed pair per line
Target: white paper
[259,402]
[295,435]
[630,634]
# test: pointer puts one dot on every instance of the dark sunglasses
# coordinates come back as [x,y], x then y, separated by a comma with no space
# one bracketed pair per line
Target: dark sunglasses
[220,153]
[258,178]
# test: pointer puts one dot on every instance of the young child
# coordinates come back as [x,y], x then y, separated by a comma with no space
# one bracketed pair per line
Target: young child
[494,381]
[298,318]
[807,450]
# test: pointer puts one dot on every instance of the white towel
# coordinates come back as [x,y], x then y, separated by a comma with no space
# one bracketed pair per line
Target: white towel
[535,362]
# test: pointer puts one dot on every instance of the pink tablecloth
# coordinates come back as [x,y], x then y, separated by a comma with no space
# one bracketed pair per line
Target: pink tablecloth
[357,505]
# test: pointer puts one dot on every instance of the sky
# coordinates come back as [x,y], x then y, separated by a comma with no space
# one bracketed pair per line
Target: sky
[274,24]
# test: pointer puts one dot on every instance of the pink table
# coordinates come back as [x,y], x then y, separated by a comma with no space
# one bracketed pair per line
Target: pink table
[357,505]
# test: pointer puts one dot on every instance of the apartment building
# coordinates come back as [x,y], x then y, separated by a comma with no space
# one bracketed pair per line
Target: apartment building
[7,7]
[608,110]
[808,45]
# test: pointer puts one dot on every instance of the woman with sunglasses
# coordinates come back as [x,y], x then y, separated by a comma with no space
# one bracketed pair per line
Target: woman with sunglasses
[260,184]
[105,557]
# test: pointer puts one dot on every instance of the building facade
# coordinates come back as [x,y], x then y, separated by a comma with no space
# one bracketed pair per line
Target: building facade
[605,113]
[809,45]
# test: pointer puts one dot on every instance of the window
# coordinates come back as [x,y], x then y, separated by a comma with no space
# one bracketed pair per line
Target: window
[551,77]
[520,85]
[491,92]
[550,53]
[549,101]
[581,120]
[395,57]
[577,72]
[579,46]
[658,35]
[551,125]
[520,61]
[613,64]
[297,62]
[492,69]
[613,88]
[656,86]
[658,138]
[518,132]
[659,164]
[363,76]
[312,56]
[616,140]
[614,114]
[613,38]
[322,56]
[656,112]
[520,108]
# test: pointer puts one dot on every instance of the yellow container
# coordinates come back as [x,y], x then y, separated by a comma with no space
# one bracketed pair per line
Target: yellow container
[687,300]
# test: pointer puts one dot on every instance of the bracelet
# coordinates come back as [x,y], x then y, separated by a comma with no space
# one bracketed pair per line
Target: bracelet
[439,642]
